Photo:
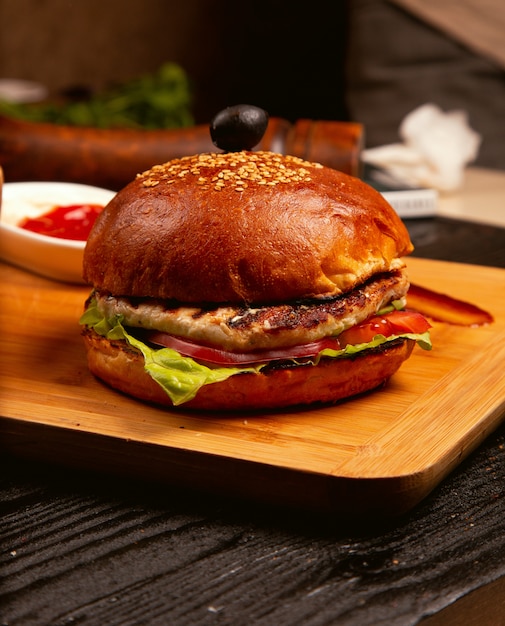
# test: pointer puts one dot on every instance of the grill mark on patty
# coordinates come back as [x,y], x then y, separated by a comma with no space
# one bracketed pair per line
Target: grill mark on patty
[308,314]
[289,316]
[243,328]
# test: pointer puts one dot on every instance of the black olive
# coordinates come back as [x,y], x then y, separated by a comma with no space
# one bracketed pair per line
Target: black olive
[238,127]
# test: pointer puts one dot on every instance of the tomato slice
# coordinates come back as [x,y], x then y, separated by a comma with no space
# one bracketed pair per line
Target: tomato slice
[394,323]
[409,321]
[225,357]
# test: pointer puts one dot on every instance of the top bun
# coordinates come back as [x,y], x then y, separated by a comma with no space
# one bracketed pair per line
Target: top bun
[242,227]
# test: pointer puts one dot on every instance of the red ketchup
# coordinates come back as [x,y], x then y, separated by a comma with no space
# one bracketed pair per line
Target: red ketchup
[65,222]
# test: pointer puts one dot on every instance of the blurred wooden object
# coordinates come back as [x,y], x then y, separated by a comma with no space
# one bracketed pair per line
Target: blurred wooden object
[112,157]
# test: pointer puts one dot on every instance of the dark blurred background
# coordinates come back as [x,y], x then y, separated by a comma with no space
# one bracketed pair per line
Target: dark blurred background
[371,61]
[264,52]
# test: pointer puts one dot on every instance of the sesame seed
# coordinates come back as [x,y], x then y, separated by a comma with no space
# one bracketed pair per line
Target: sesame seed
[233,169]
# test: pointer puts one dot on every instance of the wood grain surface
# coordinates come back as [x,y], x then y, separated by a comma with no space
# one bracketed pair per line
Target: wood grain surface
[381,453]
[87,548]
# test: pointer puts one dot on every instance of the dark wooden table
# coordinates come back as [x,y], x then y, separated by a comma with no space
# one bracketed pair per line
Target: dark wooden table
[79,547]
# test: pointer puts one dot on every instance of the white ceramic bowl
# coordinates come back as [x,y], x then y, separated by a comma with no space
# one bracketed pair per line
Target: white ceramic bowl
[59,259]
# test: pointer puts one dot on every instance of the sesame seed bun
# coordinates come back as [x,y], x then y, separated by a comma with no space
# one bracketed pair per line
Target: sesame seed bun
[242,227]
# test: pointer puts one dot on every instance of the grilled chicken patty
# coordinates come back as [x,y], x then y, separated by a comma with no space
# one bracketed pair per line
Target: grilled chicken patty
[244,329]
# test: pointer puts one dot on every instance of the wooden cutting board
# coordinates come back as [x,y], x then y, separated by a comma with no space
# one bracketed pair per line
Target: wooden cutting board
[380,453]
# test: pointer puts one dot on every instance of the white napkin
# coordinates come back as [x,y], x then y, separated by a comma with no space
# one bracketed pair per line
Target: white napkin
[435,150]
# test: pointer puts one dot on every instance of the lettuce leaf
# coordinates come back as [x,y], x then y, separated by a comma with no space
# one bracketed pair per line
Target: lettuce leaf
[181,377]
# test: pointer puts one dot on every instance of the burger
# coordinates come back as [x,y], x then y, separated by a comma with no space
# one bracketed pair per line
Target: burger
[247,280]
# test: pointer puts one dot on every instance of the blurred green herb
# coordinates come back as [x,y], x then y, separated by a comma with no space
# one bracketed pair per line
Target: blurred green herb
[158,100]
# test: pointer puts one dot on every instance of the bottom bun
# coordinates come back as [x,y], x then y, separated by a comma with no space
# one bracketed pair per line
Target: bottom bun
[331,380]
